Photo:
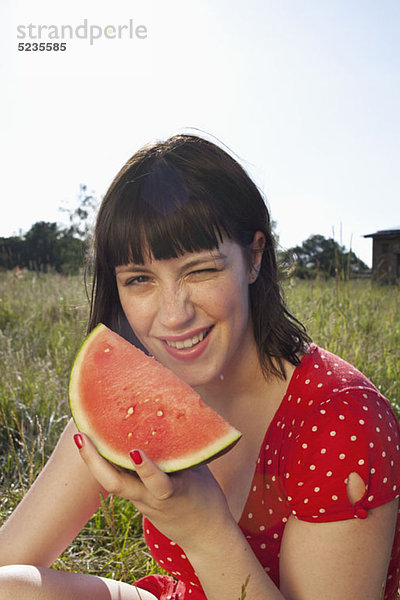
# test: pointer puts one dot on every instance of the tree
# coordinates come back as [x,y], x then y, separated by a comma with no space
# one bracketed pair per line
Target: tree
[323,256]
[81,216]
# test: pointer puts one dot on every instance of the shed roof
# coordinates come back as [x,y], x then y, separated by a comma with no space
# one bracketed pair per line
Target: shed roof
[385,233]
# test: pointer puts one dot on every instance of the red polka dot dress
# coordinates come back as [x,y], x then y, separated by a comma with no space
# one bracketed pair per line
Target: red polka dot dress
[331,422]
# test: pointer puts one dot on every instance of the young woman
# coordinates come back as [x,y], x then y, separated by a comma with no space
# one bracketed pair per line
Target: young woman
[305,506]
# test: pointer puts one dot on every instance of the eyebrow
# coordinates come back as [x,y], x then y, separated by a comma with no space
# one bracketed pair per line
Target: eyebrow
[188,265]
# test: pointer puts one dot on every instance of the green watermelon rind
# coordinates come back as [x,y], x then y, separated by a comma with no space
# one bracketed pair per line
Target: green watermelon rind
[210,452]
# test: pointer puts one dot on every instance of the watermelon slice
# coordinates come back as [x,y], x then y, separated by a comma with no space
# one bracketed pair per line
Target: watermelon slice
[124,399]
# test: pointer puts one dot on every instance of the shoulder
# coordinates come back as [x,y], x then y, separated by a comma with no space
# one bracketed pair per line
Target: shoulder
[338,424]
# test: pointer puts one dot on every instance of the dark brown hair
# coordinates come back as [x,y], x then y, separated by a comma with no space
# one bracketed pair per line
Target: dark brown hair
[185,195]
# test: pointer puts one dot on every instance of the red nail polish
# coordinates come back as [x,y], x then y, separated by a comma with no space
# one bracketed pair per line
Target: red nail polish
[136,457]
[78,439]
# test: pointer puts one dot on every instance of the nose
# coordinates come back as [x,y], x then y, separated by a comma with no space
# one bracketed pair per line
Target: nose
[175,309]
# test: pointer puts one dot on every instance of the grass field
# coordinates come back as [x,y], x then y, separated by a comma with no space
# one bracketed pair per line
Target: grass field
[43,322]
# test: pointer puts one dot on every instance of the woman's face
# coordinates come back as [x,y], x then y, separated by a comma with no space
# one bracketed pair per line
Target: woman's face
[191,312]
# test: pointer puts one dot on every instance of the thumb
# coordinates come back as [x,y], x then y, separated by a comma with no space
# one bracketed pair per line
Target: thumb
[158,483]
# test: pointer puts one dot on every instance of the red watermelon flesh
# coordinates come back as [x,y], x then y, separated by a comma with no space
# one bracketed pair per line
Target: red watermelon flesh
[123,399]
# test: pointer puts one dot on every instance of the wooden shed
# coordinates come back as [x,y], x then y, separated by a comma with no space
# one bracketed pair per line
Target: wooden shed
[386,255]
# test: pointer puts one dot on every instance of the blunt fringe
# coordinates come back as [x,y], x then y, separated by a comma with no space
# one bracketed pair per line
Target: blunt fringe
[185,195]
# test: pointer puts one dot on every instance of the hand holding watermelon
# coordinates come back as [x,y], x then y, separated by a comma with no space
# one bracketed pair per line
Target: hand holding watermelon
[168,501]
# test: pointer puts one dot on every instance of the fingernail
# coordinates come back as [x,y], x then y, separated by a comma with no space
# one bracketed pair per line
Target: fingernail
[78,439]
[136,457]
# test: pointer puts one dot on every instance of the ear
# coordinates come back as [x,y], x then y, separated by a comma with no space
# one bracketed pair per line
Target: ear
[256,251]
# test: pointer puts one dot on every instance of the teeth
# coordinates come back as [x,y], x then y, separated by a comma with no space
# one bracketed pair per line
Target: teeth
[189,342]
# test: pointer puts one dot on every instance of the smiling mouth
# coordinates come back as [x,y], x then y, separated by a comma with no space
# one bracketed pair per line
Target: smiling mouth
[189,342]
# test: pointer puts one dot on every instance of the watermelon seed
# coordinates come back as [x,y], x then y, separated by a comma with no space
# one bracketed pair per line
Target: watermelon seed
[130,434]
[153,432]
[107,350]
[130,412]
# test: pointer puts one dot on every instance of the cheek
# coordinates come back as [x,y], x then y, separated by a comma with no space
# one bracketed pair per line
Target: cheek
[137,313]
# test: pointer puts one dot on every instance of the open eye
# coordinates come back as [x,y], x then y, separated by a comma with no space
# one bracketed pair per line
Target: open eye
[137,280]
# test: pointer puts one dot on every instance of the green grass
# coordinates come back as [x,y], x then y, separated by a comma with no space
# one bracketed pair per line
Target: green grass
[42,324]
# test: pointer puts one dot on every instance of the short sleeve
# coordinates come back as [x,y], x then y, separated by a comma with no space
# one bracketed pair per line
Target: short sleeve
[354,432]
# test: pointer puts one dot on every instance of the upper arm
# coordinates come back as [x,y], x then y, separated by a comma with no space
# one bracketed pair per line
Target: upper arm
[54,510]
[343,559]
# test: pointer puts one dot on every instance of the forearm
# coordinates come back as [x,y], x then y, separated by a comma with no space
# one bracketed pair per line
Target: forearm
[224,564]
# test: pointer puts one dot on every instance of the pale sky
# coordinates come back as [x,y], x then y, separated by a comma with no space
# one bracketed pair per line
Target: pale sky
[305,92]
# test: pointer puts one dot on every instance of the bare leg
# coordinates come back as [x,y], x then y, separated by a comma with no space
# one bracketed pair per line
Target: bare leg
[26,582]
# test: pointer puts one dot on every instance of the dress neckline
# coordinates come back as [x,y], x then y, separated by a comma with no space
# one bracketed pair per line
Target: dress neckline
[279,411]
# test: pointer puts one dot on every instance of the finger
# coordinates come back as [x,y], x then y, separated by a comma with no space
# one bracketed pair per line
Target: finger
[112,480]
[158,483]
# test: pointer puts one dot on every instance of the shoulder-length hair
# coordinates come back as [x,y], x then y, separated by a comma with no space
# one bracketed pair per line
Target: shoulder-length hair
[185,195]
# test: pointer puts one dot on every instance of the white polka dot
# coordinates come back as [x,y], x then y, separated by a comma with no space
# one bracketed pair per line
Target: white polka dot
[329,372]
[262,527]
[276,536]
[300,483]
[314,428]
[317,489]
[365,407]
[323,450]
[270,511]
[372,470]
[320,385]
[306,500]
[183,555]
[329,474]
[342,456]
[311,403]
[312,467]
[371,444]
[383,454]
[263,546]
[322,411]
[333,433]
[304,446]
[322,510]
[307,381]
[361,421]
[361,461]
[378,429]
[169,558]
[353,438]
[156,546]
[334,497]
[370,498]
